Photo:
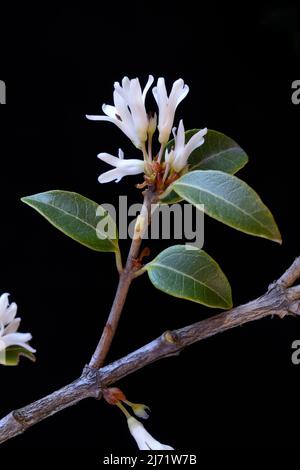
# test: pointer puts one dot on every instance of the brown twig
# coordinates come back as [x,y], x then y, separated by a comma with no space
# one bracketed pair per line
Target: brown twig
[125,279]
[281,299]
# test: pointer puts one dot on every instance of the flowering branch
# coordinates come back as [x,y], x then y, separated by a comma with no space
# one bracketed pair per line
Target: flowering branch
[281,299]
[181,170]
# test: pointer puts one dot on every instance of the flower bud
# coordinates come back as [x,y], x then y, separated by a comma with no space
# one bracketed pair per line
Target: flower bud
[139,409]
[113,395]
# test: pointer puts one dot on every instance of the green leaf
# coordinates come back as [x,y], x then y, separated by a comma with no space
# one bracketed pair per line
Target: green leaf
[77,217]
[11,355]
[229,200]
[218,152]
[189,273]
[171,198]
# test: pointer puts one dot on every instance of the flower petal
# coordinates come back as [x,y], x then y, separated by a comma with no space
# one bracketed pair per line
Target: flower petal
[153,444]
[109,110]
[100,118]
[18,339]
[132,166]
[111,175]
[138,111]
[162,96]
[122,108]
[178,93]
[196,141]
[108,158]
[12,327]
[3,304]
[180,136]
[9,313]
[142,437]
[148,85]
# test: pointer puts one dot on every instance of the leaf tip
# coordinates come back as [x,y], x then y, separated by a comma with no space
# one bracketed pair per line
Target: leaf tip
[277,238]
[26,199]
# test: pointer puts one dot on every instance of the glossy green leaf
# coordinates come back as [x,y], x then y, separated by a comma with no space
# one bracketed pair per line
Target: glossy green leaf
[171,198]
[229,200]
[218,152]
[77,217]
[189,273]
[11,356]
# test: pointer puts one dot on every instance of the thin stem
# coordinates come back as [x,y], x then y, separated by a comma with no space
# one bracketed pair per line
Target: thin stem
[126,276]
[119,261]
[123,409]
[139,272]
[145,154]
[166,172]
[150,147]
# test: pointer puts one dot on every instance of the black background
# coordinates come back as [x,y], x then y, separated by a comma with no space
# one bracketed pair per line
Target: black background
[239,389]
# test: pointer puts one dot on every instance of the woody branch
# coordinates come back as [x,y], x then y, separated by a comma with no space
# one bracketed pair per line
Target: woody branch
[282,298]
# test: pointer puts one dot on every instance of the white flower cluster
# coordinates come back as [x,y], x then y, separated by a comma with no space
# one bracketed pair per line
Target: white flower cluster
[130,115]
[9,325]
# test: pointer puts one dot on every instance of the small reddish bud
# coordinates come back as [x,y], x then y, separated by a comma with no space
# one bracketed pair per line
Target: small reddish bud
[113,395]
[145,252]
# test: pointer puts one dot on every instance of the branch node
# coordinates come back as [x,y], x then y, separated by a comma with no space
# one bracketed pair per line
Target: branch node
[93,377]
[273,285]
[171,337]
[20,418]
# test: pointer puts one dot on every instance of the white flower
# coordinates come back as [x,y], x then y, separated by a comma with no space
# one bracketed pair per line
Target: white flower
[167,105]
[9,326]
[132,166]
[143,439]
[129,112]
[178,156]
